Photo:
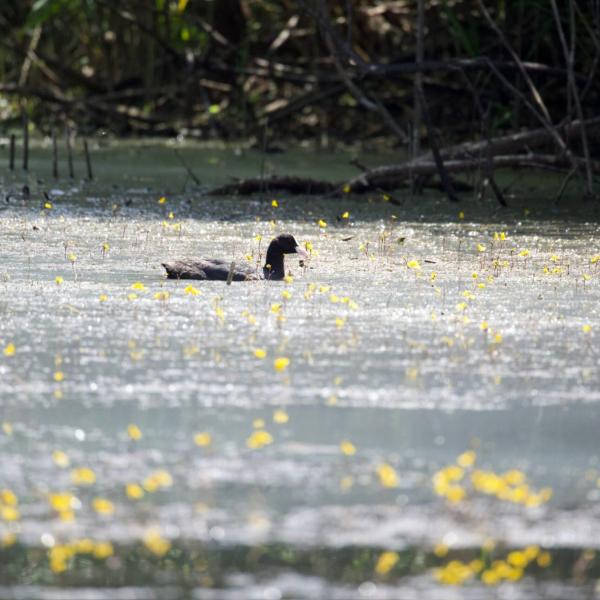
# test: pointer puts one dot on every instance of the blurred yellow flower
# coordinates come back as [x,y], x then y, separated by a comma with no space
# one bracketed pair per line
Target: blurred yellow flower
[347,448]
[134,432]
[387,475]
[203,439]
[386,562]
[281,363]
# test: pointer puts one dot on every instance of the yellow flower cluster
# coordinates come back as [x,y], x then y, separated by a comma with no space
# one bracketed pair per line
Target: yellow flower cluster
[511,568]
[156,543]
[510,486]
[9,506]
[60,554]
[259,439]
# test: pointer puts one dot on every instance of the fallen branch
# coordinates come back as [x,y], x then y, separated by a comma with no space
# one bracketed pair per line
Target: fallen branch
[293,185]
[512,143]
[391,177]
[386,177]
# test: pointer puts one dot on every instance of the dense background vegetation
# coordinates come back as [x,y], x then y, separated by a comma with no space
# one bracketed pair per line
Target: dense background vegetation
[222,68]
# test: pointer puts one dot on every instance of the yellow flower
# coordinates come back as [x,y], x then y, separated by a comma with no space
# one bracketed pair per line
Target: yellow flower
[162,200]
[103,297]
[413,264]
[161,296]
[139,286]
[467,459]
[156,543]
[387,475]
[58,279]
[102,550]
[134,432]
[484,326]
[340,322]
[347,448]
[455,493]
[59,376]
[516,559]
[60,459]
[274,203]
[258,439]
[386,562]
[275,307]
[10,349]
[72,257]
[461,215]
[105,247]
[587,328]
[322,223]
[103,506]
[514,477]
[346,215]
[9,513]
[260,353]
[63,502]
[286,294]
[158,479]
[441,550]
[524,253]
[191,290]
[134,491]
[48,205]
[346,189]
[83,476]
[281,363]
[280,417]
[480,247]
[490,577]
[203,439]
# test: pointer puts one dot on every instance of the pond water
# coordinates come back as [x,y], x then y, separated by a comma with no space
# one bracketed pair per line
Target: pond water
[432,433]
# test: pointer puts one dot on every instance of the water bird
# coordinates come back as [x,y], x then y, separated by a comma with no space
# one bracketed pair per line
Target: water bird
[226,270]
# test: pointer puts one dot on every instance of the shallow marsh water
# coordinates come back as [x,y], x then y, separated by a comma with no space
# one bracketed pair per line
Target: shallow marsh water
[440,403]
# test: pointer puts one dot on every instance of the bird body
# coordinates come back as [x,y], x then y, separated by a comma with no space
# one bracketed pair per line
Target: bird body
[222,270]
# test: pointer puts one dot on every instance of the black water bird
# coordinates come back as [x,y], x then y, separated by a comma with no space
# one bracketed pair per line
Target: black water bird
[224,270]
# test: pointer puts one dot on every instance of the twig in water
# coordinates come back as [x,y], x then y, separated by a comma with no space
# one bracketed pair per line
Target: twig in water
[437,157]
[54,155]
[11,158]
[187,168]
[25,142]
[88,160]
[69,154]
[230,274]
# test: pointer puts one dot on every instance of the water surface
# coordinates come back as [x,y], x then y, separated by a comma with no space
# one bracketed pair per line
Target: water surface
[413,335]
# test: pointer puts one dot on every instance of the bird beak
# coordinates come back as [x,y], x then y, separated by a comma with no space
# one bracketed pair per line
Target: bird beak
[302,252]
